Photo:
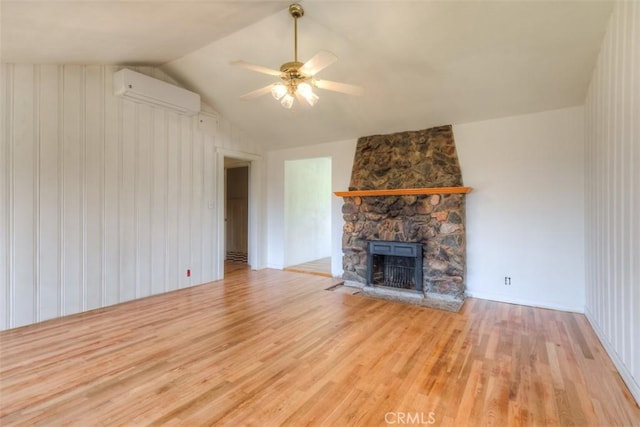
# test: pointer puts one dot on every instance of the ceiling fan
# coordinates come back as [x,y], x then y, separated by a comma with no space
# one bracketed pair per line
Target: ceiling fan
[298,79]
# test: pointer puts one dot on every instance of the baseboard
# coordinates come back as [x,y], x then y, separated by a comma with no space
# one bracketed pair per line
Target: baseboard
[523,301]
[624,372]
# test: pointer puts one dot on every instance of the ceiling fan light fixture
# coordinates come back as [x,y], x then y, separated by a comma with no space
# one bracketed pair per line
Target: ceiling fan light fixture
[312,99]
[278,90]
[305,90]
[287,101]
[298,78]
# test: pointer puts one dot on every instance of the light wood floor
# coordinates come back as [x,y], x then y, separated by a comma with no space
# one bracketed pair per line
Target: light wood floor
[320,267]
[273,348]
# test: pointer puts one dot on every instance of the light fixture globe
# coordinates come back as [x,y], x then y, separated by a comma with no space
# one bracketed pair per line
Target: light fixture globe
[278,90]
[287,101]
[305,90]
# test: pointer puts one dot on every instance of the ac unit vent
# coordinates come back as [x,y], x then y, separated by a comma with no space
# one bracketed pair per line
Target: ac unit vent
[140,88]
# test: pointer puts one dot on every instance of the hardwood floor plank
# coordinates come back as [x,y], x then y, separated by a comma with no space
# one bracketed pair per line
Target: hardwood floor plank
[275,348]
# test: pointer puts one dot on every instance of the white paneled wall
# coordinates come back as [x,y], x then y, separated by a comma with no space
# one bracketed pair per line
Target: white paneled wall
[103,200]
[613,193]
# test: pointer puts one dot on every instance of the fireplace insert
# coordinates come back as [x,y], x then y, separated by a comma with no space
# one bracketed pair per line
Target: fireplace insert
[394,264]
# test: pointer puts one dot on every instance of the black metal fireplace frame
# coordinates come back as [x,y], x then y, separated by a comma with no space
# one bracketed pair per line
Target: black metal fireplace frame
[396,249]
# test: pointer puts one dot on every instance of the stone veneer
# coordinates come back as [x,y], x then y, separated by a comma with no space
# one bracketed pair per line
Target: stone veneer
[417,159]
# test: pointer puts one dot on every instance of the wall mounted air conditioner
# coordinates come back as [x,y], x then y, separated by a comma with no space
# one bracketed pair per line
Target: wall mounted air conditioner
[140,88]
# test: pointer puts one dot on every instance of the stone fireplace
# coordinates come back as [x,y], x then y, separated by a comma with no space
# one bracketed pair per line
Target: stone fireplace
[407,187]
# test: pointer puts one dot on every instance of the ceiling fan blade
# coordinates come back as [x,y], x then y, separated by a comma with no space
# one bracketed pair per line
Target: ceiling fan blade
[258,68]
[318,62]
[339,87]
[256,93]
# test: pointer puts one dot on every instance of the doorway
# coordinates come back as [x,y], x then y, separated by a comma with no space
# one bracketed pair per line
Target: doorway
[226,159]
[236,210]
[307,214]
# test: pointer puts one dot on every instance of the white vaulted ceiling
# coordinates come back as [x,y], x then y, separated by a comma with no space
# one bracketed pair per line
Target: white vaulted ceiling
[422,63]
[122,32]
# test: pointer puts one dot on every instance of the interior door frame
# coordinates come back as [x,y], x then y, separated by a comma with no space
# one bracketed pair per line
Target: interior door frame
[254,243]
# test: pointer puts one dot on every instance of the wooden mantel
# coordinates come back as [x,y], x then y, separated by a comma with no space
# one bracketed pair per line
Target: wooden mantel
[404,192]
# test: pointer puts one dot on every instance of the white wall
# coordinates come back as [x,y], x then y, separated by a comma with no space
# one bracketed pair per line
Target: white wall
[307,210]
[103,200]
[525,216]
[341,155]
[613,194]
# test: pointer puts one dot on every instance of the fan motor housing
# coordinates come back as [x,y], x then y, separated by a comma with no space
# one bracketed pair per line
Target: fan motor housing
[292,68]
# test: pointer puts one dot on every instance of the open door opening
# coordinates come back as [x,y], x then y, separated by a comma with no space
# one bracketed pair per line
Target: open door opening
[236,213]
[307,214]
[237,217]
[236,210]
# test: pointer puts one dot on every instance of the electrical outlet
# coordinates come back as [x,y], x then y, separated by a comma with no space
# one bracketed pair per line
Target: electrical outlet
[507,280]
